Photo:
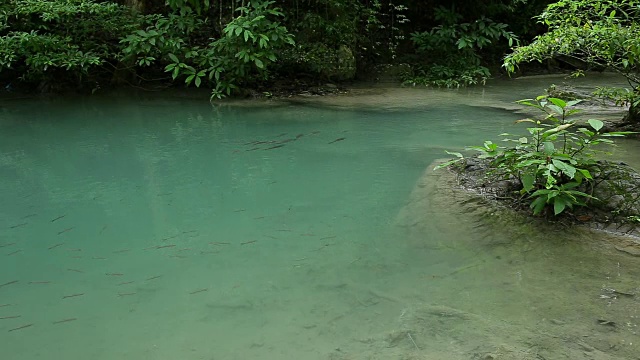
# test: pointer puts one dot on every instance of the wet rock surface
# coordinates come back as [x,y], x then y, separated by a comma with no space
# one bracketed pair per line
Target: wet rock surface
[617,190]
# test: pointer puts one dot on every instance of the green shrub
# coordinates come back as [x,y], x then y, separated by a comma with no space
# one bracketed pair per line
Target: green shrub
[555,163]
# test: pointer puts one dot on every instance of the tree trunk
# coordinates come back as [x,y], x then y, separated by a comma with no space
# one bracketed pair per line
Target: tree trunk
[136,5]
[633,115]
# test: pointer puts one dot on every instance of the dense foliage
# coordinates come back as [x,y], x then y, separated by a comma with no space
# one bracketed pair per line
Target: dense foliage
[602,34]
[227,45]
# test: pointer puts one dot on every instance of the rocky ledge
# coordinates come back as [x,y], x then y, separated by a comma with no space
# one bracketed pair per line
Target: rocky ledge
[616,188]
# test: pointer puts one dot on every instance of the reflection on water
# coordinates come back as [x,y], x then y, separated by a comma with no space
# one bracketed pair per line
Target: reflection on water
[141,228]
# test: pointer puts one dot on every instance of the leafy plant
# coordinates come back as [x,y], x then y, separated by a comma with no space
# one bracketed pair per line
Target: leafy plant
[598,33]
[247,48]
[553,165]
[47,41]
[452,49]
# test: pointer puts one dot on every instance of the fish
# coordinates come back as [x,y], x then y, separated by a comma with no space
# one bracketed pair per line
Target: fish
[126,294]
[58,218]
[21,327]
[17,225]
[9,283]
[336,140]
[39,282]
[114,274]
[55,246]
[125,283]
[154,277]
[198,291]
[10,317]
[65,230]
[15,252]
[72,295]
[64,321]
[248,242]
[75,270]
[274,147]
[164,246]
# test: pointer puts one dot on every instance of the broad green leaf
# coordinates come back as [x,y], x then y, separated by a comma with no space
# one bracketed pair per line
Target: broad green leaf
[173,58]
[557,109]
[558,205]
[558,102]
[538,205]
[586,174]
[567,169]
[528,180]
[549,148]
[259,63]
[595,124]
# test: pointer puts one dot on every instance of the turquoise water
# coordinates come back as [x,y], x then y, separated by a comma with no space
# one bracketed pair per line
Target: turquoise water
[165,228]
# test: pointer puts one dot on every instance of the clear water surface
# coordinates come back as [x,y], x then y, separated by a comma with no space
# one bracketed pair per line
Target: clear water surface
[164,228]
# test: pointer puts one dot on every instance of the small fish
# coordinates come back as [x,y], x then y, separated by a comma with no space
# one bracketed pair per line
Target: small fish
[259,217]
[165,194]
[75,270]
[64,321]
[164,246]
[39,282]
[239,210]
[5,245]
[114,274]
[99,258]
[125,283]
[9,283]
[274,147]
[17,226]
[75,249]
[28,216]
[169,238]
[72,295]
[248,242]
[21,327]
[154,277]
[271,237]
[103,229]
[58,218]
[315,132]
[126,294]
[219,243]
[198,291]
[253,149]
[178,256]
[336,140]
[15,252]
[55,246]
[121,251]
[65,230]
[10,317]
[4,305]
[328,237]
[299,136]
